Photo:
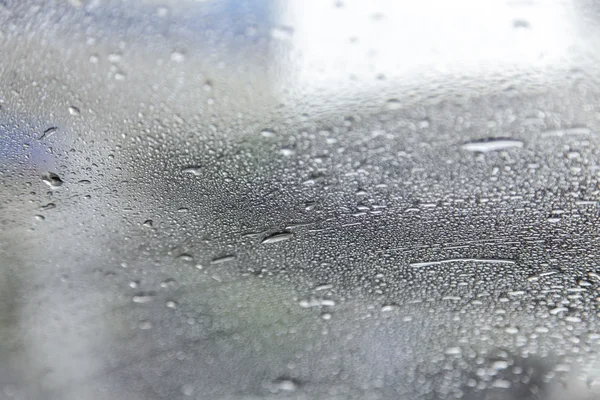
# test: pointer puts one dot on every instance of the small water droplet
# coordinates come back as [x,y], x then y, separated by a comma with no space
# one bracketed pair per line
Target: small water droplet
[74,111]
[521,23]
[282,32]
[40,217]
[277,237]
[326,316]
[148,223]
[168,283]
[162,11]
[145,325]
[492,144]
[187,390]
[389,307]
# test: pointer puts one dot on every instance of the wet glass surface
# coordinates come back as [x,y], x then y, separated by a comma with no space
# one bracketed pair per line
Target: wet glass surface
[315,199]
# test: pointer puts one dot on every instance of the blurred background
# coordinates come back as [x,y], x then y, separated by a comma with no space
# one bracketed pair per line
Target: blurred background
[228,199]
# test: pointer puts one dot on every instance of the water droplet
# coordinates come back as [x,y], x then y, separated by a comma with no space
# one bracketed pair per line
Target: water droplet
[268,133]
[521,23]
[74,111]
[324,287]
[48,206]
[223,259]
[196,171]
[575,131]
[453,260]
[287,152]
[310,303]
[48,132]
[500,365]
[282,32]
[162,11]
[177,56]
[185,257]
[187,390]
[52,180]
[148,223]
[501,384]
[452,351]
[283,384]
[493,144]
[171,304]
[558,310]
[389,307]
[326,316]
[393,104]
[145,325]
[39,217]
[277,237]
[114,58]
[168,283]
[142,298]
[594,275]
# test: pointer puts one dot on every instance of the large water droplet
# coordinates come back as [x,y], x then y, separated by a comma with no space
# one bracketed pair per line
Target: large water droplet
[487,145]
[194,170]
[277,237]
[52,180]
